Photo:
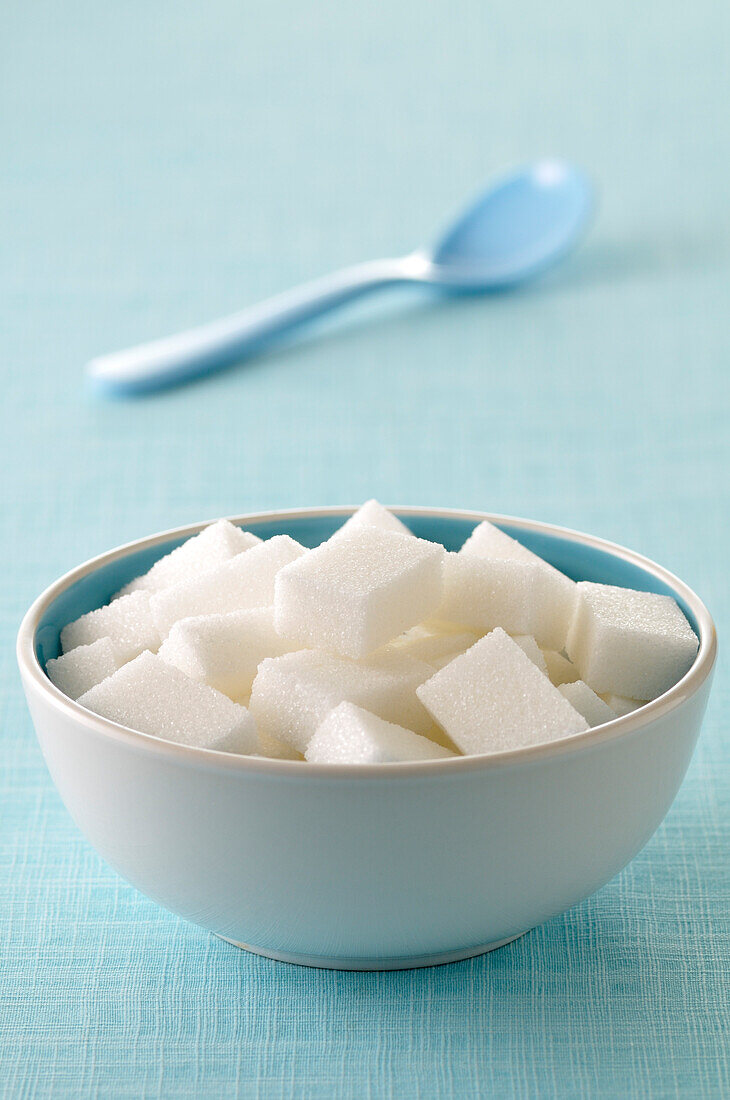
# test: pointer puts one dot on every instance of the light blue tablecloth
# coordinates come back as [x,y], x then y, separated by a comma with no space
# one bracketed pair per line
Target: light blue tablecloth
[164,163]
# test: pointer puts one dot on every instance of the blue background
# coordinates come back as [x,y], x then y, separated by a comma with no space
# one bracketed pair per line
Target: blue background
[165,163]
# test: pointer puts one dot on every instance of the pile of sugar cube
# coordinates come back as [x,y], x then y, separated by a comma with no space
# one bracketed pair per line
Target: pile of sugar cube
[374,647]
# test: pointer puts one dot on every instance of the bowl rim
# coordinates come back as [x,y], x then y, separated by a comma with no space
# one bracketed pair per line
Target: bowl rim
[33,673]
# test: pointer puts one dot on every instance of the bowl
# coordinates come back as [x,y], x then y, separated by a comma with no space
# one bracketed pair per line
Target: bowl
[375,866]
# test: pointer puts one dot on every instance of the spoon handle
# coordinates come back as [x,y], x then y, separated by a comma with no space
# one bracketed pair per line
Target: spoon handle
[210,347]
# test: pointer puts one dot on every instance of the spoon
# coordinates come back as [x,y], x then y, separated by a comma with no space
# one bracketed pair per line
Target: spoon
[518,227]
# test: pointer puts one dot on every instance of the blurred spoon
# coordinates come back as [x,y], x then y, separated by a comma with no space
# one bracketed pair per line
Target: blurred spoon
[518,227]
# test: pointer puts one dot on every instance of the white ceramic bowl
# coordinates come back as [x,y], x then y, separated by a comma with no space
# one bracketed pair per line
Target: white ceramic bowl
[377,866]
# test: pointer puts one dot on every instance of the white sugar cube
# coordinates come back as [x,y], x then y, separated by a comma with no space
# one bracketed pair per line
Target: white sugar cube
[246,581]
[215,544]
[436,648]
[488,541]
[127,621]
[423,630]
[274,749]
[224,651]
[586,702]
[636,644]
[292,694]
[152,697]
[522,597]
[556,590]
[372,514]
[529,646]
[80,669]
[559,668]
[620,705]
[351,735]
[353,594]
[493,698]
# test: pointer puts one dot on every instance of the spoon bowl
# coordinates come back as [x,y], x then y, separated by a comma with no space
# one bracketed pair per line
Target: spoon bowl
[517,228]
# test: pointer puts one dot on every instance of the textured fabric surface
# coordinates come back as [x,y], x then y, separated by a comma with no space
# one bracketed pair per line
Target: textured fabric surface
[165,163]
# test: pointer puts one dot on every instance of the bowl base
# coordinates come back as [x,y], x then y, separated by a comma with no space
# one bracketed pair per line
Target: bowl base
[401,962]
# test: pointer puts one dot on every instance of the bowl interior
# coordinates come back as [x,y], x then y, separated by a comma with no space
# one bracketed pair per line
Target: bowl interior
[578,560]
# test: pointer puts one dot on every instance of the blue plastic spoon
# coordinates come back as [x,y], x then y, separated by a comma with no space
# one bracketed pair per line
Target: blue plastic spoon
[519,226]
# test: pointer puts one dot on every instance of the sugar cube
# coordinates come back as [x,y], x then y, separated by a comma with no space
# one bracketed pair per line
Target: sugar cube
[529,646]
[520,596]
[436,649]
[425,629]
[586,702]
[224,650]
[490,541]
[376,646]
[620,705]
[75,672]
[246,581]
[215,544]
[292,694]
[372,514]
[351,735]
[274,749]
[559,668]
[152,697]
[127,621]
[636,644]
[353,594]
[433,732]
[556,590]
[493,698]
